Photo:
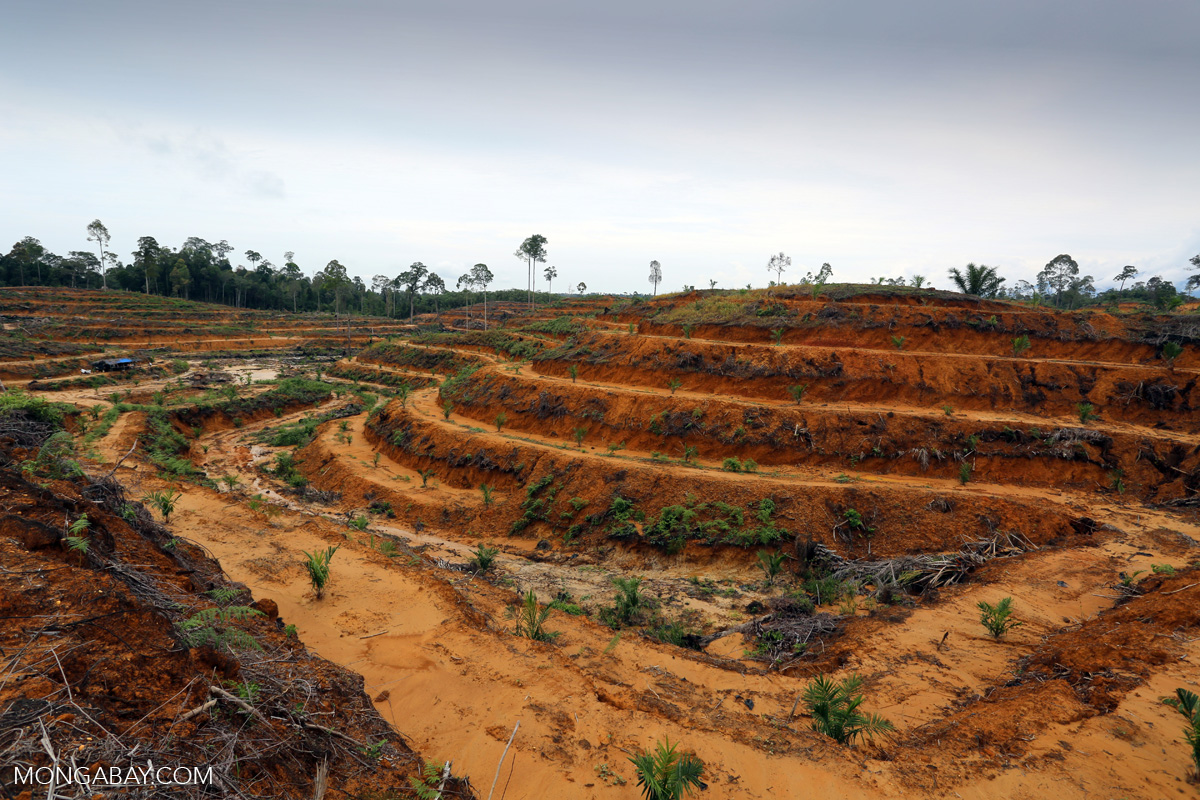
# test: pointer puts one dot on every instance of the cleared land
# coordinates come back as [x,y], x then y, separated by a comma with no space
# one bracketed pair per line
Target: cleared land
[908,454]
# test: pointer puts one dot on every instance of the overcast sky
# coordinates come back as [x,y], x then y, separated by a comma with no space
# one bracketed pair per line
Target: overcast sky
[885,138]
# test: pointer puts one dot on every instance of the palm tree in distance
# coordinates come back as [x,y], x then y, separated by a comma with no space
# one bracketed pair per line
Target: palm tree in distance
[979,280]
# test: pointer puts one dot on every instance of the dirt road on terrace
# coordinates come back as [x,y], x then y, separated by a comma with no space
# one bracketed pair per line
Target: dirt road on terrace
[434,649]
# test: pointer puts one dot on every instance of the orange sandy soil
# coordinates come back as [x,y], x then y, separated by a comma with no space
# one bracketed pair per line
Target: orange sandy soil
[1067,705]
[97,670]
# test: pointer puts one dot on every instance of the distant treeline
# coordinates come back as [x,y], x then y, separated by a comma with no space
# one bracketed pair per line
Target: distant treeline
[202,270]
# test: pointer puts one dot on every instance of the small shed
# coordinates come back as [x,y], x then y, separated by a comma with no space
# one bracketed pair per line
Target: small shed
[113,364]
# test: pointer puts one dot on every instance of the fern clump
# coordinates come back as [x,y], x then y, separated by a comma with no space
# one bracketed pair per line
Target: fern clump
[214,627]
[77,534]
[55,459]
[426,786]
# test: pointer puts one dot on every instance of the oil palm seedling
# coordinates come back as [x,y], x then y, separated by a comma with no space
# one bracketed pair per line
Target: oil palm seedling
[835,710]
[1171,351]
[484,557]
[531,620]
[164,500]
[1188,704]
[629,600]
[771,564]
[664,773]
[317,565]
[997,619]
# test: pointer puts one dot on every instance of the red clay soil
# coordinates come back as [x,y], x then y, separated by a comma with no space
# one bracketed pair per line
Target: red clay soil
[1025,716]
[1143,395]
[1083,671]
[99,664]
[465,459]
[883,324]
[1021,451]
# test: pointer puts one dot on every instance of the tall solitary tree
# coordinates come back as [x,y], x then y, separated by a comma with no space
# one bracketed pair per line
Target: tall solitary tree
[533,252]
[979,280]
[1193,281]
[334,279]
[28,252]
[181,279]
[380,284]
[81,263]
[434,285]
[1058,276]
[655,274]
[295,277]
[481,276]
[550,273]
[1127,274]
[96,232]
[466,283]
[146,258]
[779,264]
[411,280]
[582,287]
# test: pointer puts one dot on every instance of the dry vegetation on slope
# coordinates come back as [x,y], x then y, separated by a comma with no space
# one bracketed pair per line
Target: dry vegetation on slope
[719,496]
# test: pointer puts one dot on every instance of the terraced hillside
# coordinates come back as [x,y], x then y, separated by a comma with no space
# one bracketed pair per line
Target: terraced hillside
[719,496]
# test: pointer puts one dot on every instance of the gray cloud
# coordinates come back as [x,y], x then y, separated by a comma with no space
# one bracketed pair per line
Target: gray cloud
[875,135]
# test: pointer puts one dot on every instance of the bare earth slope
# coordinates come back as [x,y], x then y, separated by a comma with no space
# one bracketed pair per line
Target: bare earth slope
[904,456]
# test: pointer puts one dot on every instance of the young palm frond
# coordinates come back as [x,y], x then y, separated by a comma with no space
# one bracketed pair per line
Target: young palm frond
[771,564]
[317,565]
[980,280]
[629,598]
[834,709]
[1187,703]
[164,501]
[666,774]
[484,557]
[531,620]
[997,618]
